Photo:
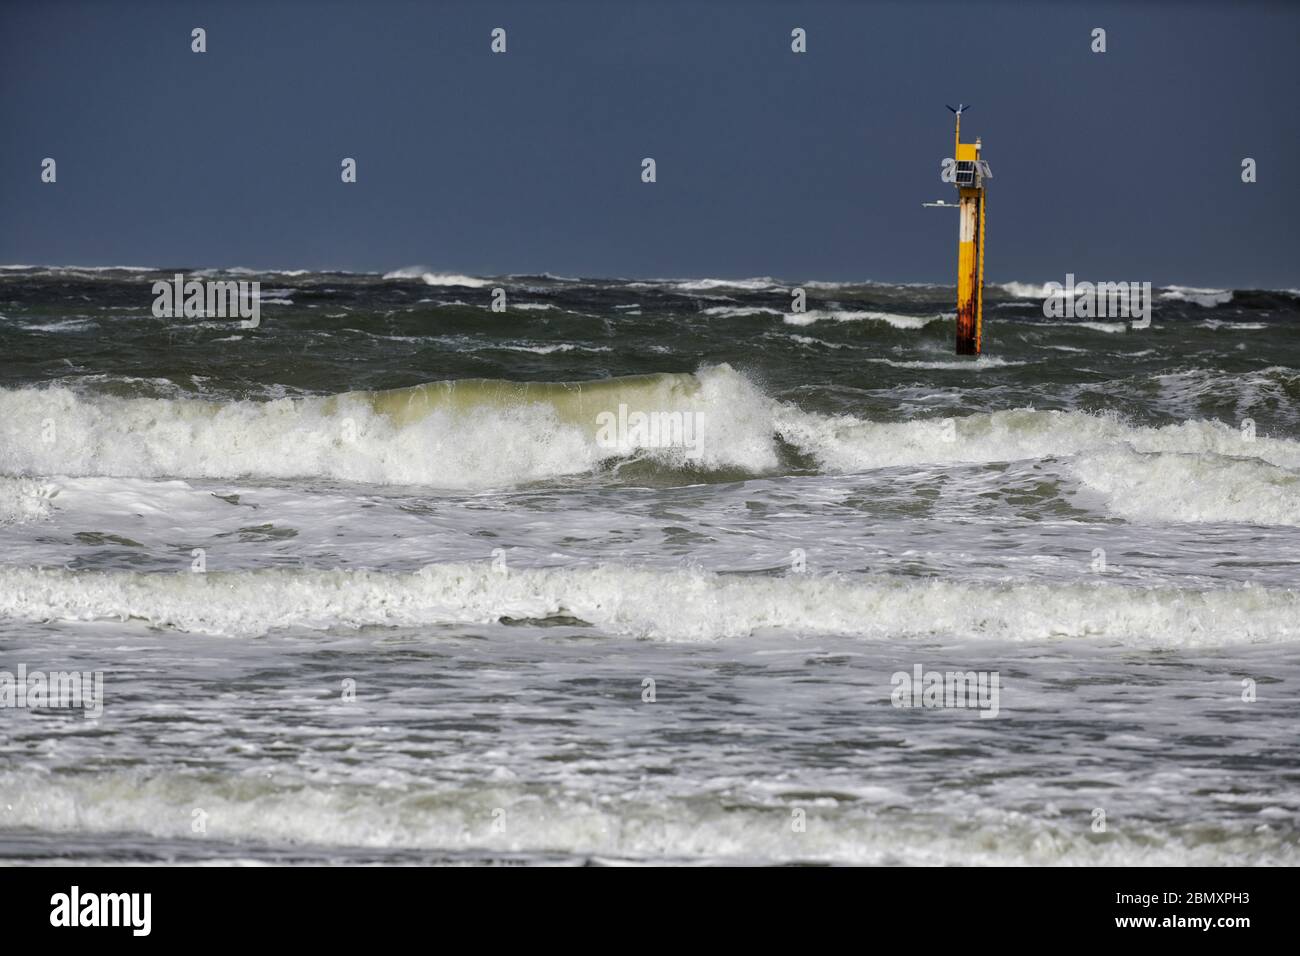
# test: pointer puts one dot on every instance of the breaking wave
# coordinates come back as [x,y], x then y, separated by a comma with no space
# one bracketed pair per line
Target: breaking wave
[437,278]
[469,433]
[481,433]
[1205,487]
[414,814]
[848,444]
[676,605]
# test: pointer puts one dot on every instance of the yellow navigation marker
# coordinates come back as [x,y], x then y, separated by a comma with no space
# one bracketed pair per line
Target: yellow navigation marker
[969,172]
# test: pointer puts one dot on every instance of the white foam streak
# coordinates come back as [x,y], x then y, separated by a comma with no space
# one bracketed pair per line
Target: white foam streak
[890,318]
[740,311]
[976,364]
[1206,298]
[708,285]
[689,606]
[437,278]
[1166,486]
[548,820]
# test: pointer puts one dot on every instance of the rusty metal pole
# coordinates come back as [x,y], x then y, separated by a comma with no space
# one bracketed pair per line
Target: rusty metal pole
[968,173]
[970,245]
[968,298]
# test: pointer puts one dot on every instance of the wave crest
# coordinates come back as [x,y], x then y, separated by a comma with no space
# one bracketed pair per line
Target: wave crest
[674,605]
[470,433]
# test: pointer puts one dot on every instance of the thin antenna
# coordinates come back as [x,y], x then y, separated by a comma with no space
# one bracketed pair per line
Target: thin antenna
[959,109]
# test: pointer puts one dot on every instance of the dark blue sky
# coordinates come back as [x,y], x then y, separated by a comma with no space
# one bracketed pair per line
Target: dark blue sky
[1115,166]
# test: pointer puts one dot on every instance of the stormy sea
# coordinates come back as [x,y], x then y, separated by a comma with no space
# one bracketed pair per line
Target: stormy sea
[432,568]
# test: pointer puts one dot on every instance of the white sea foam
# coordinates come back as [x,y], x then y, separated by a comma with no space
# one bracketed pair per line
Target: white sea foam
[1174,293]
[1207,298]
[827,284]
[437,278]
[1029,290]
[487,439]
[552,349]
[890,318]
[689,606]
[847,444]
[1202,487]
[706,285]
[976,364]
[88,269]
[500,434]
[1234,326]
[23,499]
[862,825]
[809,340]
[63,325]
[1109,327]
[738,311]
